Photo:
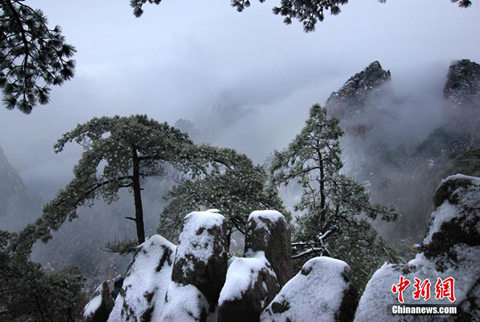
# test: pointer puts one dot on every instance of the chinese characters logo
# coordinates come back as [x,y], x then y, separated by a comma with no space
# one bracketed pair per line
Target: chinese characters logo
[443,289]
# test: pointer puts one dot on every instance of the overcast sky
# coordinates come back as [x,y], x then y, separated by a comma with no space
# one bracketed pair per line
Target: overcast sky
[183,57]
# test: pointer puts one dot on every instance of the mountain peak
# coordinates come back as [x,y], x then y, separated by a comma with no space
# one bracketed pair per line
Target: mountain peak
[463,83]
[353,94]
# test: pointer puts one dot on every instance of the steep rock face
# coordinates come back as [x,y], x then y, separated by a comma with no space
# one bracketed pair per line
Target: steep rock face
[450,249]
[18,206]
[459,133]
[201,256]
[321,291]
[268,231]
[143,292]
[463,83]
[250,285]
[351,98]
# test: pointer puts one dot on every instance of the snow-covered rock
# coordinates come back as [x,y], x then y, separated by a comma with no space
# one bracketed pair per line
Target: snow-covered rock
[456,218]
[184,303]
[250,285]
[202,254]
[145,285]
[267,231]
[99,307]
[450,249]
[189,282]
[321,291]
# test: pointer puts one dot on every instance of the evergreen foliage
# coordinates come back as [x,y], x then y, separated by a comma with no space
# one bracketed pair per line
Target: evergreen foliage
[27,293]
[465,162]
[119,153]
[32,56]
[334,208]
[308,12]
[123,246]
[231,183]
[463,3]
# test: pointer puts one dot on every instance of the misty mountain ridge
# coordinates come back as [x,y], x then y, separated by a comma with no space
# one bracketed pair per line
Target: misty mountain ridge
[401,147]
[349,100]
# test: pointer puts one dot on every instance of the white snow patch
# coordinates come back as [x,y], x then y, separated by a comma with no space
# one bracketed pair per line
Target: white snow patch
[142,279]
[445,213]
[475,180]
[241,275]
[470,195]
[195,239]
[316,296]
[182,303]
[468,198]
[269,215]
[94,303]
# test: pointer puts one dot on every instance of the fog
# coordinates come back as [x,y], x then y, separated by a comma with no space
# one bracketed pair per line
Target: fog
[245,80]
[178,58]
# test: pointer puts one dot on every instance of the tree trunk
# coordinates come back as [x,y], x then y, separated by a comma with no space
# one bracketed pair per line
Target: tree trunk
[137,195]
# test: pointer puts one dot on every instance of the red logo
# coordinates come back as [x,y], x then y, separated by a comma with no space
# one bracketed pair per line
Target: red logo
[421,290]
[443,289]
[400,287]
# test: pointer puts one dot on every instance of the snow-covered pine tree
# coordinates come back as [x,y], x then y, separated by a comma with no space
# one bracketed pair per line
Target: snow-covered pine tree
[232,183]
[334,209]
[119,153]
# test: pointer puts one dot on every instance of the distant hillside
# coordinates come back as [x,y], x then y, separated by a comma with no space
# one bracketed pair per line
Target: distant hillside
[18,205]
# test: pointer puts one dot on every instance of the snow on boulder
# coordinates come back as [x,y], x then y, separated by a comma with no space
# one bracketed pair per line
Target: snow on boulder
[184,303]
[250,285]
[202,254]
[268,231]
[321,291]
[99,307]
[143,291]
[456,219]
[451,249]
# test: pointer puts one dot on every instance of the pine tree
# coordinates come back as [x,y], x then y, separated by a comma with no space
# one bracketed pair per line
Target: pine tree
[335,209]
[32,56]
[232,183]
[308,12]
[28,293]
[119,153]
